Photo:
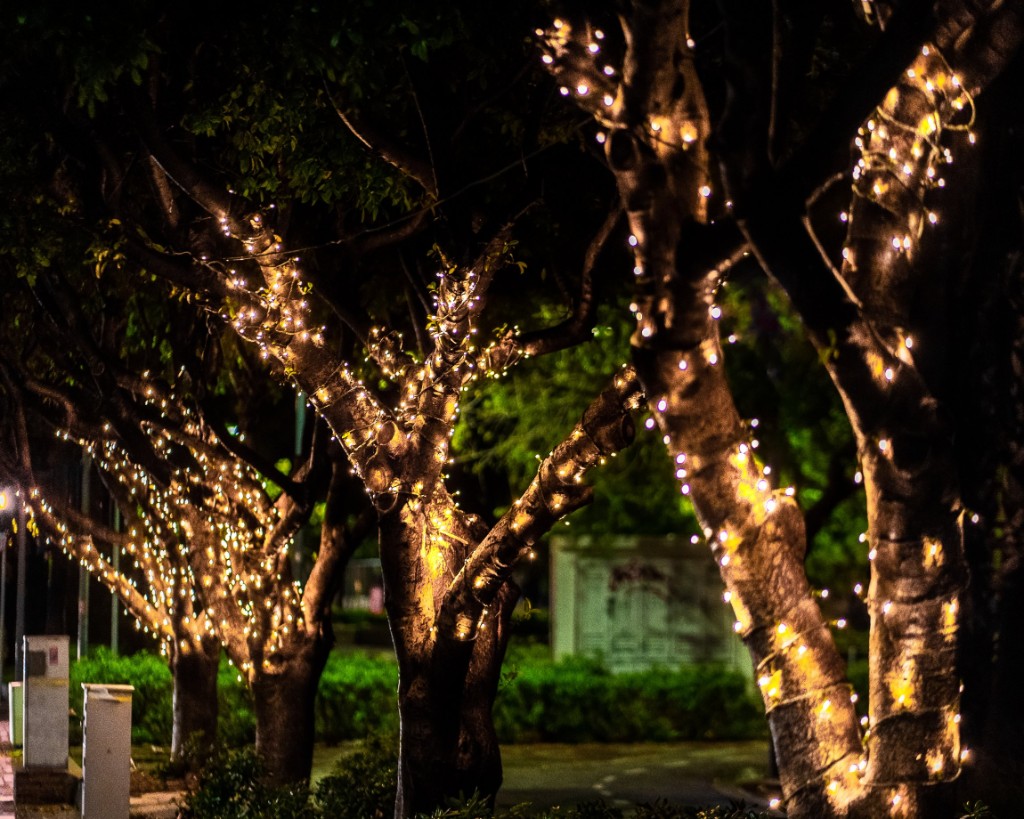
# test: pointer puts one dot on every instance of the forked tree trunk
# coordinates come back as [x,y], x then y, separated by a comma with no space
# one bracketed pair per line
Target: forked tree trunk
[284,701]
[449,746]
[194,727]
[448,673]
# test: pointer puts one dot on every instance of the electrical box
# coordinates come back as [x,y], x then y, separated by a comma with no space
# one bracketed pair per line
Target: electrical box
[106,751]
[45,711]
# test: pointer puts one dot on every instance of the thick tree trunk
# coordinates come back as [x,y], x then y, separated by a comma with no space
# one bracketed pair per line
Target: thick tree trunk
[194,727]
[447,672]
[449,746]
[448,743]
[284,701]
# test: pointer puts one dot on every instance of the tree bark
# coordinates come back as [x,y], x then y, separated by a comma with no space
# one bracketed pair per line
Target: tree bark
[448,745]
[284,699]
[194,727]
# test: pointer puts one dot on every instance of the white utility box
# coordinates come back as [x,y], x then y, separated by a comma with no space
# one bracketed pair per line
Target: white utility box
[106,751]
[45,713]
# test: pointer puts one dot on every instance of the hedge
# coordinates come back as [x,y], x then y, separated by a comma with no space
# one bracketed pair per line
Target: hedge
[574,700]
[578,700]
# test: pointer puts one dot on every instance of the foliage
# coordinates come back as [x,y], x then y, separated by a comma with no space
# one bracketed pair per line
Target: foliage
[508,424]
[574,700]
[356,697]
[803,431]
[778,379]
[236,719]
[230,788]
[151,699]
[577,700]
[363,783]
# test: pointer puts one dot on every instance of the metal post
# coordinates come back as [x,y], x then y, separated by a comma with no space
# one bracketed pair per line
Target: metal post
[19,604]
[298,547]
[115,603]
[83,573]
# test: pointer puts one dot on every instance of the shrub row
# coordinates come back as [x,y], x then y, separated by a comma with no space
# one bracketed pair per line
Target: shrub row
[578,700]
[574,700]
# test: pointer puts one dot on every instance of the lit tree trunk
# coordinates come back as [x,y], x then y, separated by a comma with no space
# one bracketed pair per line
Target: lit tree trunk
[447,681]
[194,726]
[284,700]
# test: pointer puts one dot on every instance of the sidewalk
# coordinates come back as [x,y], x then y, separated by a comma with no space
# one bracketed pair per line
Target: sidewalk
[6,774]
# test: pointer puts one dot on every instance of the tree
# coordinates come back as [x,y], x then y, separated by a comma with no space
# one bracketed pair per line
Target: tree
[197,211]
[885,356]
[207,527]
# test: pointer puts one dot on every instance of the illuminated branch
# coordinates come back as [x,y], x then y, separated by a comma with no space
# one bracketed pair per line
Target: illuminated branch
[81,546]
[497,357]
[557,490]
[573,56]
[435,389]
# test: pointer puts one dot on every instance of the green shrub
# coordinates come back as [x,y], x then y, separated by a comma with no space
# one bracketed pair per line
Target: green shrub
[363,784]
[151,700]
[357,697]
[578,700]
[230,788]
[236,719]
[575,700]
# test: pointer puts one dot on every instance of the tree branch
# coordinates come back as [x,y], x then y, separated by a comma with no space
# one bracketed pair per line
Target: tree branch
[557,489]
[375,139]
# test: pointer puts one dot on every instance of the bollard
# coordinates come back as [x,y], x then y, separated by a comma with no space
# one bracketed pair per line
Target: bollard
[45,712]
[15,706]
[106,751]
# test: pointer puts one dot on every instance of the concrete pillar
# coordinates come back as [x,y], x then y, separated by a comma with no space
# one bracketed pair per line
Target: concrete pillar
[106,751]
[45,716]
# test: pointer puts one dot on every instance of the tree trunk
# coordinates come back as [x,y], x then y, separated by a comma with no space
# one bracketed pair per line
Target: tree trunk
[194,727]
[449,747]
[284,701]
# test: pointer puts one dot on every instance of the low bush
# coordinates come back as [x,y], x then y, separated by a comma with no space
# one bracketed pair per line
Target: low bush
[363,783]
[574,700]
[578,700]
[151,700]
[230,788]
[357,696]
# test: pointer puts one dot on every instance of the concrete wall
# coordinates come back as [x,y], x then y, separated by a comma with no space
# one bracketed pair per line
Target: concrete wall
[640,602]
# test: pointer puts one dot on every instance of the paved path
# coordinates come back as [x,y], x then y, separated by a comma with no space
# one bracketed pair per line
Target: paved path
[6,774]
[688,773]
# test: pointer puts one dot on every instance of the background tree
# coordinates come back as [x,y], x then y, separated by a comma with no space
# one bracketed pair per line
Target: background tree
[206,526]
[646,90]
